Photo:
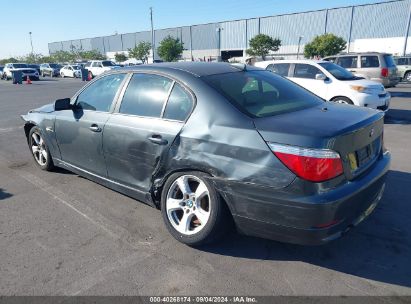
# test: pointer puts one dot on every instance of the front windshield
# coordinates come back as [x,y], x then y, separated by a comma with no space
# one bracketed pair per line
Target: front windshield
[19,65]
[337,71]
[55,65]
[76,67]
[262,93]
[108,63]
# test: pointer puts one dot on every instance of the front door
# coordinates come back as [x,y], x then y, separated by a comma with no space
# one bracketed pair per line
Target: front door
[79,131]
[304,75]
[138,136]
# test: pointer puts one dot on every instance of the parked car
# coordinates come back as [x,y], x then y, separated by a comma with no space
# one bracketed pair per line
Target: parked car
[23,67]
[331,82]
[98,67]
[211,142]
[35,66]
[1,69]
[70,71]
[374,66]
[50,69]
[404,68]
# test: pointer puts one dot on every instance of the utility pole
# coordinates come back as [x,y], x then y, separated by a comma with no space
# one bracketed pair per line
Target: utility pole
[152,32]
[31,42]
[299,42]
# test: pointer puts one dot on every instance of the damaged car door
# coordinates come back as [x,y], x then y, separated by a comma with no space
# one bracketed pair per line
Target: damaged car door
[151,113]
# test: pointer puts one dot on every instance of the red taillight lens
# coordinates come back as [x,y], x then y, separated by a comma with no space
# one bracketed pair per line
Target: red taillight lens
[316,165]
[384,72]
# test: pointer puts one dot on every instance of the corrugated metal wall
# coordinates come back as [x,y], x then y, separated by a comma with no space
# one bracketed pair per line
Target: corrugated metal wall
[380,20]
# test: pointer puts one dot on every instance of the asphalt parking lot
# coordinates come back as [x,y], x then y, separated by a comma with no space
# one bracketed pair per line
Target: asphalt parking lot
[61,234]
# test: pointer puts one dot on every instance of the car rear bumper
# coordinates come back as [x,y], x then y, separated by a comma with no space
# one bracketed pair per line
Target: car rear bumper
[389,82]
[313,219]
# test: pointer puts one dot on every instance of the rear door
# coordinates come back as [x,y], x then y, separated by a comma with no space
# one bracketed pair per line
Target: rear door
[279,68]
[139,134]
[370,67]
[304,75]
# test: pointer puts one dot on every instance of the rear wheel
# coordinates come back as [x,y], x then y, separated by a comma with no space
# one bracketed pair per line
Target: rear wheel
[341,99]
[192,209]
[40,150]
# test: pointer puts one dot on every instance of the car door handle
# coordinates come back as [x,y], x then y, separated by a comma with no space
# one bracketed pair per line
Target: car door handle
[157,139]
[95,128]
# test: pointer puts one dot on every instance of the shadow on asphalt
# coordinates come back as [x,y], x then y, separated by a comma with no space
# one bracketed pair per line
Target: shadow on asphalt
[400,94]
[378,249]
[4,194]
[397,116]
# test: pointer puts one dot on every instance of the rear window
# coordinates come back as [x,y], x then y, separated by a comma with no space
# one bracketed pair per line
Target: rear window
[262,93]
[370,62]
[389,61]
[279,68]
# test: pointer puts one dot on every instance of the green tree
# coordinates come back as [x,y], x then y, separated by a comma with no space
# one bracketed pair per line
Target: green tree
[140,51]
[170,49]
[120,57]
[261,45]
[92,55]
[8,60]
[63,56]
[324,45]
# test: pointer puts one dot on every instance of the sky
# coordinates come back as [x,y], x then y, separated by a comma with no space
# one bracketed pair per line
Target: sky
[51,20]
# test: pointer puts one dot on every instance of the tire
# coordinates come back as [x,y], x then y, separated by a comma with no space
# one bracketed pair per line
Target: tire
[62,75]
[341,99]
[407,77]
[41,154]
[184,214]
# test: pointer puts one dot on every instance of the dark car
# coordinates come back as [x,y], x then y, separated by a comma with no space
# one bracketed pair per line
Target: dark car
[35,66]
[211,142]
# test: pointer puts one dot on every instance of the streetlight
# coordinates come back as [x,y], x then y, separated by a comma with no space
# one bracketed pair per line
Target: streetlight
[31,42]
[299,41]
[152,32]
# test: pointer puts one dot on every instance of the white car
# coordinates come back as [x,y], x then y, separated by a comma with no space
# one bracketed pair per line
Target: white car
[23,67]
[97,67]
[331,82]
[70,71]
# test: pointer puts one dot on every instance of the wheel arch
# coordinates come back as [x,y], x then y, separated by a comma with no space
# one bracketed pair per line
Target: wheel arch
[339,96]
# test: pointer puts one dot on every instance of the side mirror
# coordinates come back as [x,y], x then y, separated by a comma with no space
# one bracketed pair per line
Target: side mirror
[320,76]
[62,104]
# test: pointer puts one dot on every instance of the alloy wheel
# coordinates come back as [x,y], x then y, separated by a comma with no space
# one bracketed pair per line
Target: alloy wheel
[38,148]
[188,204]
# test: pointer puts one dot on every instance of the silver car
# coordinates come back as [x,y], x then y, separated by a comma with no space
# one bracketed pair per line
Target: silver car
[379,67]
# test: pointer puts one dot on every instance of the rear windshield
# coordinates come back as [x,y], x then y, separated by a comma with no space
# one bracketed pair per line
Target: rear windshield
[19,65]
[389,61]
[55,66]
[262,93]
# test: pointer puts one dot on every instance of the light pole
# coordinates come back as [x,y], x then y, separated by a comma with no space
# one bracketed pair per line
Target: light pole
[298,49]
[152,32]
[31,42]
[219,29]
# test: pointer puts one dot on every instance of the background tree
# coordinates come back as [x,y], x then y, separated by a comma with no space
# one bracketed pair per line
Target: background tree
[324,45]
[8,60]
[262,44]
[92,55]
[170,49]
[63,56]
[140,51]
[120,57]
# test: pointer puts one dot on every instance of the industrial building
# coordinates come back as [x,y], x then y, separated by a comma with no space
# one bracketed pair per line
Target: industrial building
[380,27]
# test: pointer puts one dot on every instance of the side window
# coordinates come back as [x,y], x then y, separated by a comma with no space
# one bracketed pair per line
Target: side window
[99,95]
[348,62]
[370,62]
[400,61]
[331,59]
[179,104]
[305,71]
[280,68]
[145,95]
[95,64]
[87,64]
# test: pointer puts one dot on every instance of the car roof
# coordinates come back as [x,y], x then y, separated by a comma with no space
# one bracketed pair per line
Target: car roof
[306,61]
[198,69]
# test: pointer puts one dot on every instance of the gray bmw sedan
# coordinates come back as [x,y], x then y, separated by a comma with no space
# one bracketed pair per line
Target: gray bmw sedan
[212,144]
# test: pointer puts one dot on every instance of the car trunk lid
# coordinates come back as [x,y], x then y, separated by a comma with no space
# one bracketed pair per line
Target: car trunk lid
[355,133]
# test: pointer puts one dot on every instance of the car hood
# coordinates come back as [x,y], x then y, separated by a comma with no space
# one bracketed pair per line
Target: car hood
[48,108]
[365,83]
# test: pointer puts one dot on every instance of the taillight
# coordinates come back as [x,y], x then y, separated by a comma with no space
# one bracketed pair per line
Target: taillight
[316,165]
[384,72]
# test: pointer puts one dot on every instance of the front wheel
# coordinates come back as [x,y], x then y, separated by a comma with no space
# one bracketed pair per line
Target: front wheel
[40,150]
[407,77]
[343,100]
[192,210]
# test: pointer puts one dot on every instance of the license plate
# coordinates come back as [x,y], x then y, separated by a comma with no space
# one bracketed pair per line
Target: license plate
[363,155]
[353,161]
